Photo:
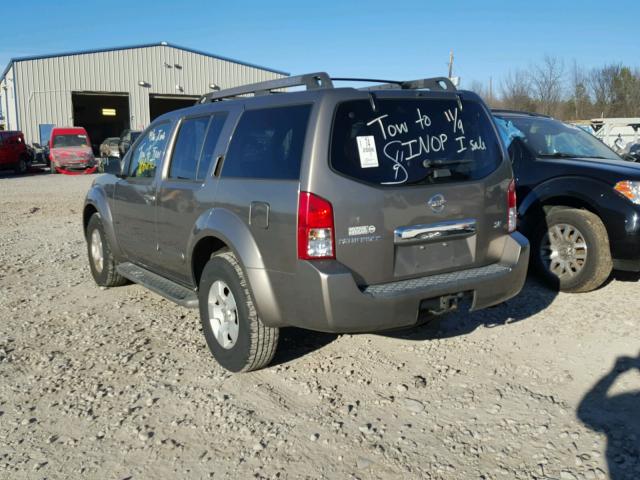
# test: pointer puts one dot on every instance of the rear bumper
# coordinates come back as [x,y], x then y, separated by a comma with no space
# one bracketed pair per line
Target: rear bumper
[327,298]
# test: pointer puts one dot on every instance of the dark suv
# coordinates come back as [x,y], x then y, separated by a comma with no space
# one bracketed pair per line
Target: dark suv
[331,209]
[578,201]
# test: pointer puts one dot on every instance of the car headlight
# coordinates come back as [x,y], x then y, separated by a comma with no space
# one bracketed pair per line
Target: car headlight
[629,189]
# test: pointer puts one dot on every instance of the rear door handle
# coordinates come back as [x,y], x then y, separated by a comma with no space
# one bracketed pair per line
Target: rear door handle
[217,164]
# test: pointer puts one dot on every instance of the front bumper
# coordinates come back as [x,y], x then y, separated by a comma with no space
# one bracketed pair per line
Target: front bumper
[327,298]
[622,222]
[75,168]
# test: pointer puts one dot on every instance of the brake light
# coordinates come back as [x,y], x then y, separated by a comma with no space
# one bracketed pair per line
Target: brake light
[315,228]
[512,212]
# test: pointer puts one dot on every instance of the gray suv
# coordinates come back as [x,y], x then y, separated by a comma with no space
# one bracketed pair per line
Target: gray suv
[331,209]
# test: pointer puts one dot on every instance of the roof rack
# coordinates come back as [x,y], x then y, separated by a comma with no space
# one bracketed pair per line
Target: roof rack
[435,83]
[311,81]
[317,80]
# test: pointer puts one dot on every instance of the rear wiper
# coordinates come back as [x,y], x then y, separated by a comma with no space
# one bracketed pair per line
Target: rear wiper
[438,169]
[444,163]
[557,155]
[570,155]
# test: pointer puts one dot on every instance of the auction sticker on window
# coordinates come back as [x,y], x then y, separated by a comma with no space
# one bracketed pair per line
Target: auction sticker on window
[367,151]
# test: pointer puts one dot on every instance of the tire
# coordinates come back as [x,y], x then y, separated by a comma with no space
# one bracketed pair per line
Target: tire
[581,269]
[21,166]
[106,276]
[248,343]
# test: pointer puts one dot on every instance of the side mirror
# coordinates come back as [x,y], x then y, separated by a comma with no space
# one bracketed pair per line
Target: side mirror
[124,167]
[125,146]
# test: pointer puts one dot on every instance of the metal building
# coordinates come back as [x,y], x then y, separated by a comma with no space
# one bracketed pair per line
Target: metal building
[111,89]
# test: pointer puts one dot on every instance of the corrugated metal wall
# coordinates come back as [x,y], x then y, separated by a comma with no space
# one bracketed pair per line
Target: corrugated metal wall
[8,101]
[44,86]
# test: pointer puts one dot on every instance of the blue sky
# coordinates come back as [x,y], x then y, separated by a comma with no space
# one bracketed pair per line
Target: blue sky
[407,39]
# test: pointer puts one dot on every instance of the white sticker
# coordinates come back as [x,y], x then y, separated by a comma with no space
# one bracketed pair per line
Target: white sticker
[367,151]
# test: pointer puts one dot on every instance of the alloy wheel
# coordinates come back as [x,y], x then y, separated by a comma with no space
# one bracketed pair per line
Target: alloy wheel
[97,253]
[223,314]
[563,250]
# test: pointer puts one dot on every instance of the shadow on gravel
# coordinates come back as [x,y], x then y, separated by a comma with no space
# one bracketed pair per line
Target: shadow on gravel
[296,343]
[618,417]
[621,276]
[534,298]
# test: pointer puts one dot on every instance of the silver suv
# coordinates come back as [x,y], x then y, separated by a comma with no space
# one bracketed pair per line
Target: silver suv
[330,209]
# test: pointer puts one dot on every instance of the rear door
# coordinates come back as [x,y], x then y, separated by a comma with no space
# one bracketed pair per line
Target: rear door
[420,187]
[187,189]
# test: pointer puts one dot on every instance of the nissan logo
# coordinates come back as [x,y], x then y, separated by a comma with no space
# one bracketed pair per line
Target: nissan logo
[437,203]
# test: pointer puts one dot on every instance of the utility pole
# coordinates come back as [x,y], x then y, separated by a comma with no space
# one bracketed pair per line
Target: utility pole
[491,89]
[451,64]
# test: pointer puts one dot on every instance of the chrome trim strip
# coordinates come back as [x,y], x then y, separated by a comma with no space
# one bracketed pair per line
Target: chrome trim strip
[435,231]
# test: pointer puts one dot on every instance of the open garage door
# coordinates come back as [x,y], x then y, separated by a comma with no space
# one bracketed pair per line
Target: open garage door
[102,115]
[161,104]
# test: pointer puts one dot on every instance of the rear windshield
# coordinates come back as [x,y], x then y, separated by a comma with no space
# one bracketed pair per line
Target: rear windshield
[413,141]
[70,140]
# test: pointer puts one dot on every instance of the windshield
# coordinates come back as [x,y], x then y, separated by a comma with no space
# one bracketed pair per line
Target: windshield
[551,138]
[413,141]
[70,140]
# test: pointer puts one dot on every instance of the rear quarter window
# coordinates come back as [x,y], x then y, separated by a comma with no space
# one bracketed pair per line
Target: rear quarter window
[268,143]
[413,141]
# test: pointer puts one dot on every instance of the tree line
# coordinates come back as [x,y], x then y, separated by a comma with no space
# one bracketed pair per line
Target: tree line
[569,92]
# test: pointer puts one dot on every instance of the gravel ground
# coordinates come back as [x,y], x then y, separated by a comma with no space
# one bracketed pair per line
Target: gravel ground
[118,383]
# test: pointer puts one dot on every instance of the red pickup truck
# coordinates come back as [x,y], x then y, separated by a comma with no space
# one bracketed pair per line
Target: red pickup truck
[70,151]
[13,152]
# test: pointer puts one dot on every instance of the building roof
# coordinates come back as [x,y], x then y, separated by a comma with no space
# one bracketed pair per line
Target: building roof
[130,47]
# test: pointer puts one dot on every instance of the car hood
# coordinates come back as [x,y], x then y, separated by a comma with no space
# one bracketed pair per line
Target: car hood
[602,169]
[72,152]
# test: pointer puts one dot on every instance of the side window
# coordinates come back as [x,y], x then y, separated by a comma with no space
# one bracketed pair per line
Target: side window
[267,143]
[208,150]
[148,153]
[186,153]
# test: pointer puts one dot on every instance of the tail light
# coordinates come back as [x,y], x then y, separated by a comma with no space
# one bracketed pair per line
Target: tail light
[512,212]
[315,228]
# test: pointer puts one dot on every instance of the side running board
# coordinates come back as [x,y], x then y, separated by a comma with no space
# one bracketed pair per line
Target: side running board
[160,285]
